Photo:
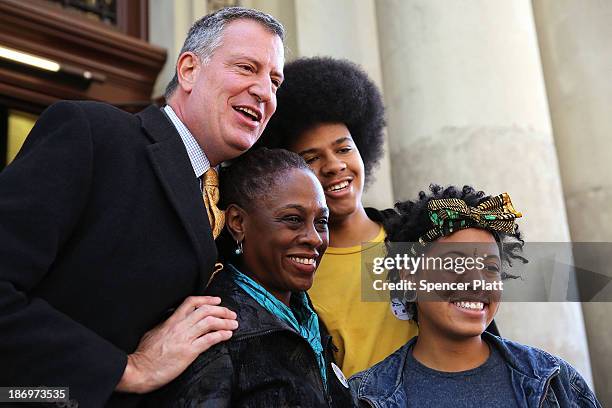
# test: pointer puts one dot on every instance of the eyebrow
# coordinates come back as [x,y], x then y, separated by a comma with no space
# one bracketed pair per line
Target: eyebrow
[323,210]
[292,206]
[335,142]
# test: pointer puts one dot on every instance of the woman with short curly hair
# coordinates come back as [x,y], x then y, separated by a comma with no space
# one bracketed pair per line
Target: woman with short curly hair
[275,234]
[453,362]
[332,114]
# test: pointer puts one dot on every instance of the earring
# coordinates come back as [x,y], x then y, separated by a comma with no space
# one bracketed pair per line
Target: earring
[238,250]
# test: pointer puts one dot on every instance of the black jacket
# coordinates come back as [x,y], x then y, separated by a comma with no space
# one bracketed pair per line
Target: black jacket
[265,364]
[102,230]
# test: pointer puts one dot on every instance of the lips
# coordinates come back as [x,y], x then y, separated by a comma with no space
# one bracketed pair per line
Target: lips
[250,112]
[470,305]
[303,261]
[338,186]
[306,263]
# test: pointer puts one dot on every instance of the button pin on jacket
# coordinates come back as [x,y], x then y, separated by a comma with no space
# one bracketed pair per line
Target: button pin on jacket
[340,375]
[399,310]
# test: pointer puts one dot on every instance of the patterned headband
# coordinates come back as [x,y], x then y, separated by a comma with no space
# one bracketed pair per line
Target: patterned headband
[448,215]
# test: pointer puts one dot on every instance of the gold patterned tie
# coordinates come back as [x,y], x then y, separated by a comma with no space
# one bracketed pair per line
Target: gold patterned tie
[210,192]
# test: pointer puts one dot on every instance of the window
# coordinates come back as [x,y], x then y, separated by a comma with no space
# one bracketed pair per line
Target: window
[127,16]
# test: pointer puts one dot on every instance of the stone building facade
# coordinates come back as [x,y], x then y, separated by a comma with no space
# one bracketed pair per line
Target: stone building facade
[515,91]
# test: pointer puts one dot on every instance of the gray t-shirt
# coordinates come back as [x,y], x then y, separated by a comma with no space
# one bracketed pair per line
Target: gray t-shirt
[485,386]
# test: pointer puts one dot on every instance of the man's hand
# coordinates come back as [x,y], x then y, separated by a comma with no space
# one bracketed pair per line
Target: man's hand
[168,349]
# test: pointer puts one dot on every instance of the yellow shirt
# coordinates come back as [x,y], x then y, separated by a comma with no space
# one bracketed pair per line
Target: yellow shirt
[364,332]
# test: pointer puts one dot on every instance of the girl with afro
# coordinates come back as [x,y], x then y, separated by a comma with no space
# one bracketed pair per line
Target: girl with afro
[453,362]
[332,114]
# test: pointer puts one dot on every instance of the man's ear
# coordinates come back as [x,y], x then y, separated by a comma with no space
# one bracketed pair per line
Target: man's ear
[235,220]
[187,70]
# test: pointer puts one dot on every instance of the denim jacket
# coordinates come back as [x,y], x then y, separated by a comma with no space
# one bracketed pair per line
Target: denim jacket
[539,379]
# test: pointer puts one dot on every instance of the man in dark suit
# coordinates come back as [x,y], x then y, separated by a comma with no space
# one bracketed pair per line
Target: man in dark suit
[105,241]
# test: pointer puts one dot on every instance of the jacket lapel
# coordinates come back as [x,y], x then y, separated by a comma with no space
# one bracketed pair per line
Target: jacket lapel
[172,166]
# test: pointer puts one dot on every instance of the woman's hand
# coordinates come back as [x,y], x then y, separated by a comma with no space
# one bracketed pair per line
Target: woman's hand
[167,350]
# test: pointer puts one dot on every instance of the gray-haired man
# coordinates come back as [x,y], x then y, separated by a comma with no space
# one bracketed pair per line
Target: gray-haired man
[104,230]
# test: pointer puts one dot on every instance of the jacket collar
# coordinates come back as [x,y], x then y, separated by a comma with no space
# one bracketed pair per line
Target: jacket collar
[252,318]
[171,164]
[531,368]
[383,382]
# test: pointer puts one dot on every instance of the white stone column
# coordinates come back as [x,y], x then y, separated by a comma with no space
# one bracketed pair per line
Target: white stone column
[467,105]
[283,11]
[577,59]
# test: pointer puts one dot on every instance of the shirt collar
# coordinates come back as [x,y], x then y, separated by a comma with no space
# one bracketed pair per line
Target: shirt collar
[198,158]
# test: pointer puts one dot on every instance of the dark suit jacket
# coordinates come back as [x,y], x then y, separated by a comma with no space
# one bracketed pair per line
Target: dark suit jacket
[102,231]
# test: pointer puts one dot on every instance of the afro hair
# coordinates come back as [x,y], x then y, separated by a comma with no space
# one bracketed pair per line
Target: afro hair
[251,177]
[326,90]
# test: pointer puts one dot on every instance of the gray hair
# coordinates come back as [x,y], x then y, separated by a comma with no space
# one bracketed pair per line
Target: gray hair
[205,35]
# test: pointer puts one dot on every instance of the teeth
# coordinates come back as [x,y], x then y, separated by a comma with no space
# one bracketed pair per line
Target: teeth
[248,112]
[338,186]
[470,305]
[305,261]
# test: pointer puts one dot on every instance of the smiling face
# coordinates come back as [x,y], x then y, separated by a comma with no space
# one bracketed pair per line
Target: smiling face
[285,235]
[459,315]
[227,101]
[330,151]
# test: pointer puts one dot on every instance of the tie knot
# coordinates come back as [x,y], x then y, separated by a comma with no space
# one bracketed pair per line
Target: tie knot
[211,179]
[210,192]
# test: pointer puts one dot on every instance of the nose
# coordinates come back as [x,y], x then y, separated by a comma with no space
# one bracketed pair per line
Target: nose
[311,236]
[471,274]
[333,165]
[262,89]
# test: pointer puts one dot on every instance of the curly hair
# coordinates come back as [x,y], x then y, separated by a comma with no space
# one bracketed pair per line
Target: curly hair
[412,221]
[326,90]
[250,177]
